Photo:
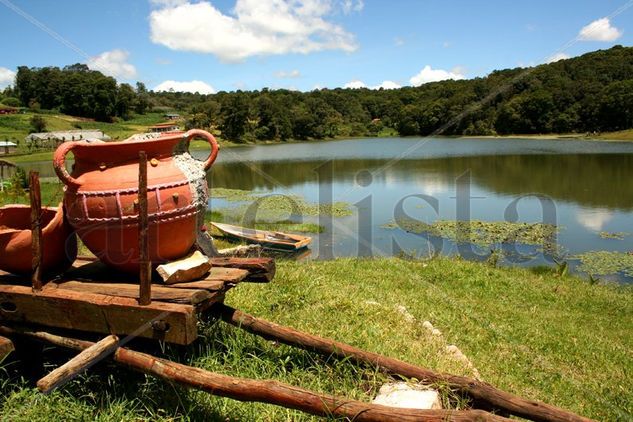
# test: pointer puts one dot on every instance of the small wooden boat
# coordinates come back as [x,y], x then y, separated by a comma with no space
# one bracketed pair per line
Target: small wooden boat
[268,239]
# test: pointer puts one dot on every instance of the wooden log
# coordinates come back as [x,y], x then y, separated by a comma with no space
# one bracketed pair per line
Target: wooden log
[158,292]
[6,347]
[54,307]
[241,251]
[484,395]
[263,391]
[37,247]
[145,273]
[84,360]
[261,270]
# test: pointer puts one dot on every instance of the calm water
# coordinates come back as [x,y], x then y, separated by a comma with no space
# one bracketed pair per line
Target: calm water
[588,187]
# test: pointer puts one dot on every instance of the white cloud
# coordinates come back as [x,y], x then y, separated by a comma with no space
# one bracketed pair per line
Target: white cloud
[352,6]
[7,77]
[428,74]
[600,30]
[256,27]
[356,84]
[387,85]
[556,57]
[185,86]
[282,74]
[398,42]
[113,63]
[167,3]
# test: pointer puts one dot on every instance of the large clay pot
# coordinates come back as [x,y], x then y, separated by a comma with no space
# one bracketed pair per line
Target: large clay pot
[101,196]
[58,240]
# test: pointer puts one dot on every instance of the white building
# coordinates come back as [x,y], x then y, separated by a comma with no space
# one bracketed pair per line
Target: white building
[57,137]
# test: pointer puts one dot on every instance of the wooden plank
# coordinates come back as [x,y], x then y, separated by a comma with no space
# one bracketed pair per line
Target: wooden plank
[84,360]
[145,273]
[6,347]
[218,279]
[54,307]
[37,247]
[261,270]
[158,292]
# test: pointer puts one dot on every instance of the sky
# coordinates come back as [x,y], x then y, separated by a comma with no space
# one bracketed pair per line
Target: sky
[226,45]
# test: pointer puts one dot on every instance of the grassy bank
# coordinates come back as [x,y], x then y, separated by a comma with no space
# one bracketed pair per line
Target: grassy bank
[560,340]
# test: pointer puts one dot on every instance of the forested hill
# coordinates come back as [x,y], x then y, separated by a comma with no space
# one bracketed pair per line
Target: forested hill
[593,92]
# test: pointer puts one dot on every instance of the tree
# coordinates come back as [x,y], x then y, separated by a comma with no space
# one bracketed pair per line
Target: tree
[142,98]
[234,117]
[38,124]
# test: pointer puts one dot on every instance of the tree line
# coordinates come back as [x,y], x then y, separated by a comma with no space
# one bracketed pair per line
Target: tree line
[590,93]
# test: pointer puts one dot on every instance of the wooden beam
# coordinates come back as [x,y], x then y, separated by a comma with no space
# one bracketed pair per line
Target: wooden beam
[484,395]
[158,292]
[145,273]
[54,307]
[84,360]
[265,391]
[261,270]
[37,247]
[6,347]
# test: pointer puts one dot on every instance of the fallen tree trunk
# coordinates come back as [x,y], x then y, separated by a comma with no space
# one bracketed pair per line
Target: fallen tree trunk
[264,391]
[484,395]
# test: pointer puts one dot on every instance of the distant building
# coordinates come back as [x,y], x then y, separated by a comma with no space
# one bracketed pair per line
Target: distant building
[56,137]
[164,127]
[7,147]
[172,116]
[8,110]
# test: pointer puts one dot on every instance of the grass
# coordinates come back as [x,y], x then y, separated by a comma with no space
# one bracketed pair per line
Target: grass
[622,135]
[556,339]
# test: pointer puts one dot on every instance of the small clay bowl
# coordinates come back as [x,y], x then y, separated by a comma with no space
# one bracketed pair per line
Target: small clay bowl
[58,239]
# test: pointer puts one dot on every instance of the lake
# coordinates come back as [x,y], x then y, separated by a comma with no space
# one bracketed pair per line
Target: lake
[584,187]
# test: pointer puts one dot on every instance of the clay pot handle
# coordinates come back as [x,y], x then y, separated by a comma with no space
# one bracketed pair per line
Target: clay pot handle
[214,145]
[59,162]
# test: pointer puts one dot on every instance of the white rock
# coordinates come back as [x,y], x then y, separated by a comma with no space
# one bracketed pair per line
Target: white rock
[428,325]
[409,396]
[436,332]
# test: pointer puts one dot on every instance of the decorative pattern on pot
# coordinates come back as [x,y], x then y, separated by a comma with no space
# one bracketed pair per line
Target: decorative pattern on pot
[101,196]
[58,239]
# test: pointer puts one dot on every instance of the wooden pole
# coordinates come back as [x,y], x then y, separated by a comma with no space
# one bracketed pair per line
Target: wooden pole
[263,391]
[37,248]
[145,271]
[84,360]
[484,395]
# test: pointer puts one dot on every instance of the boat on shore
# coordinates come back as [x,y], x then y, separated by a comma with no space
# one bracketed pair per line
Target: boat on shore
[268,239]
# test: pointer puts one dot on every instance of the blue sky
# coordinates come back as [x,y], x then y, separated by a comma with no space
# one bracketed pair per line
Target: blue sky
[303,44]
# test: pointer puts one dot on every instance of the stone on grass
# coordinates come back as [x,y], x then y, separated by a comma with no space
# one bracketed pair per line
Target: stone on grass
[408,396]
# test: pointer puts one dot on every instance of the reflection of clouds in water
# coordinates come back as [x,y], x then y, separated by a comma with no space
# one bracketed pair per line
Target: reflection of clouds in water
[433,184]
[594,219]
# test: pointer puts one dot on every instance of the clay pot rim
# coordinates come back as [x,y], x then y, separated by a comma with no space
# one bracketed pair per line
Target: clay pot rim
[55,221]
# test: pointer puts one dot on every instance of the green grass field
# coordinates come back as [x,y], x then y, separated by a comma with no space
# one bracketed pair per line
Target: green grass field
[560,340]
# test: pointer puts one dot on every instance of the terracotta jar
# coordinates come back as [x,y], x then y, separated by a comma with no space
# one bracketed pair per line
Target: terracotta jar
[58,240]
[101,195]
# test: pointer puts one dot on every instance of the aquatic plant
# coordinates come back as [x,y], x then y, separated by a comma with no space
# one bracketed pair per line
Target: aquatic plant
[613,235]
[605,262]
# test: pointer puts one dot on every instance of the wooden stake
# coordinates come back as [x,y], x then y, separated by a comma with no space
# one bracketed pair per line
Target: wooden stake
[84,360]
[145,273]
[485,395]
[37,247]
[263,391]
